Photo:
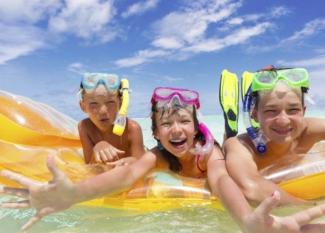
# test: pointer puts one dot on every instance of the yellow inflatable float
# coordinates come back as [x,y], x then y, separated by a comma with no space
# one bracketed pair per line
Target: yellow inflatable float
[31,131]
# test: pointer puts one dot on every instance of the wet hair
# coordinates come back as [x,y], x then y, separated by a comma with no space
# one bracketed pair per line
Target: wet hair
[174,164]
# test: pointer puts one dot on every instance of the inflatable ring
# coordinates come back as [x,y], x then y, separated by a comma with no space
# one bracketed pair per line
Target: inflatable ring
[31,131]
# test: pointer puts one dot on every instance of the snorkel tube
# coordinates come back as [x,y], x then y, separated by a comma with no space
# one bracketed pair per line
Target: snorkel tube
[254,133]
[120,121]
[209,141]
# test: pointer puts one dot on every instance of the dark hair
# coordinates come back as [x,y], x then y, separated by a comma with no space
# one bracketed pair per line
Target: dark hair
[172,160]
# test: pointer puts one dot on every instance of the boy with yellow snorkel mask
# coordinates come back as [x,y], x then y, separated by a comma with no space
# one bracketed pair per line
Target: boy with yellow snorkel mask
[275,100]
[107,134]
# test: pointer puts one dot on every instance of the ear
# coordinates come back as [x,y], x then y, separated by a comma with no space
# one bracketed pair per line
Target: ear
[254,114]
[82,105]
[156,135]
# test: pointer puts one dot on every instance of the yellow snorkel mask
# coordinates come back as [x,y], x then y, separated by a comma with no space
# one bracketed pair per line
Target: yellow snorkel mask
[112,83]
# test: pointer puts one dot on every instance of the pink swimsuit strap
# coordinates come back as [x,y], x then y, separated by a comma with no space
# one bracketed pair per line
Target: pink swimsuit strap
[197,158]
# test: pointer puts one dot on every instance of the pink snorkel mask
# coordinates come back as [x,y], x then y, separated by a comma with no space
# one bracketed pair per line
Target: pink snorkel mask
[177,97]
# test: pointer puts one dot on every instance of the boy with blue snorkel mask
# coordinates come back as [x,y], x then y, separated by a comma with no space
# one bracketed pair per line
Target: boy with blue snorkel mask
[275,100]
[107,134]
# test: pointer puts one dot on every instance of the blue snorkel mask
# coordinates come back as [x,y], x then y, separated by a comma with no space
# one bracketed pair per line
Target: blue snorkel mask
[91,81]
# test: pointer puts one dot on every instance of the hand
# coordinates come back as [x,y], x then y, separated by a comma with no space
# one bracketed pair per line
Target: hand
[260,221]
[122,162]
[105,152]
[47,198]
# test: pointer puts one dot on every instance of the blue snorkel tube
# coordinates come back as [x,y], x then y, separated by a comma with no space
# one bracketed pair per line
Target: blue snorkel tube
[254,133]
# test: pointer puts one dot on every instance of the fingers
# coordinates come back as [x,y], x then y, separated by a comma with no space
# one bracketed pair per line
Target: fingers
[313,228]
[16,205]
[18,178]
[305,216]
[268,204]
[38,216]
[56,173]
[19,192]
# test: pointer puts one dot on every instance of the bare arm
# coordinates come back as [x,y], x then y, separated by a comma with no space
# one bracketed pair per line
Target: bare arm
[87,144]
[315,129]
[116,179]
[135,139]
[243,170]
[225,188]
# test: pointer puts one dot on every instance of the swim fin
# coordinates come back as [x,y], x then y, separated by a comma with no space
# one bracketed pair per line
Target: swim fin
[246,80]
[228,98]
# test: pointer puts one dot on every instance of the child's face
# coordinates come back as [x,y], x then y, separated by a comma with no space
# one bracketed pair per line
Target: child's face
[101,107]
[281,114]
[175,130]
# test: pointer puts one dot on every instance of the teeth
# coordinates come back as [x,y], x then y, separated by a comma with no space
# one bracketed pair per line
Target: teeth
[176,141]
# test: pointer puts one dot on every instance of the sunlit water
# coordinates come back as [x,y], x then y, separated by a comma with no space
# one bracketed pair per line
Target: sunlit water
[104,220]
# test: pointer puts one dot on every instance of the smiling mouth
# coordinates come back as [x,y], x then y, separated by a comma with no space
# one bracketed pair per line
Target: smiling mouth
[104,120]
[177,143]
[282,132]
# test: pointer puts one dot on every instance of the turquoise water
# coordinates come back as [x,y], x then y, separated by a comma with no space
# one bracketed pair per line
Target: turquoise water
[104,220]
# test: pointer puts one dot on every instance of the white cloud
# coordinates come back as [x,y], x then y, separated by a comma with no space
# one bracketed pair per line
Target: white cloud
[191,24]
[16,41]
[318,61]
[30,11]
[237,37]
[25,25]
[279,11]
[167,43]
[140,7]
[77,67]
[87,19]
[140,58]
[310,28]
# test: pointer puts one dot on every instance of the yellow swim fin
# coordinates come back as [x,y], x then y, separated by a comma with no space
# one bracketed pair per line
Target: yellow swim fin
[228,98]
[246,80]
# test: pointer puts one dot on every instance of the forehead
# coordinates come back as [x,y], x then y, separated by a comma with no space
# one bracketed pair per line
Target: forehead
[167,113]
[280,95]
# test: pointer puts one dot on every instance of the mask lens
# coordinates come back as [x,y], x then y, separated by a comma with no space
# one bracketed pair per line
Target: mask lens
[295,75]
[266,77]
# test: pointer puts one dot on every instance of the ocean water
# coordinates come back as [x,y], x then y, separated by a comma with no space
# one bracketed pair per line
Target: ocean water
[81,219]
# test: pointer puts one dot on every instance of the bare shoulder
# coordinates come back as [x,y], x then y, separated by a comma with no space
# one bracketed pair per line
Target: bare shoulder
[239,146]
[133,126]
[314,129]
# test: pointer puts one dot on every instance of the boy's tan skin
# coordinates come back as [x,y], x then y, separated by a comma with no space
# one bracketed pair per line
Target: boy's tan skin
[280,113]
[176,133]
[99,143]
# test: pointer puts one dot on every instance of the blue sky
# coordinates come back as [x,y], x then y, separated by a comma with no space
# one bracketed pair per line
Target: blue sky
[45,46]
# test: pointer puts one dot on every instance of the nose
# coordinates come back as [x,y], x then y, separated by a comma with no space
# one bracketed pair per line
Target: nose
[176,129]
[282,119]
[103,109]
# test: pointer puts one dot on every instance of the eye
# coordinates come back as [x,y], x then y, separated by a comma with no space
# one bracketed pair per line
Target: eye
[93,104]
[165,124]
[294,110]
[185,121]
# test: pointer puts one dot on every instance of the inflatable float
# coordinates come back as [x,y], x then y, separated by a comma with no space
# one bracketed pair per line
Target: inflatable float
[31,131]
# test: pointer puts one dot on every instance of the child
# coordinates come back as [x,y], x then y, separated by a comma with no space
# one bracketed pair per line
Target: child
[284,132]
[106,135]
[185,146]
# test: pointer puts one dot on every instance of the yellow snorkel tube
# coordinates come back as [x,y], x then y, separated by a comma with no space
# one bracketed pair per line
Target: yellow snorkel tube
[120,121]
